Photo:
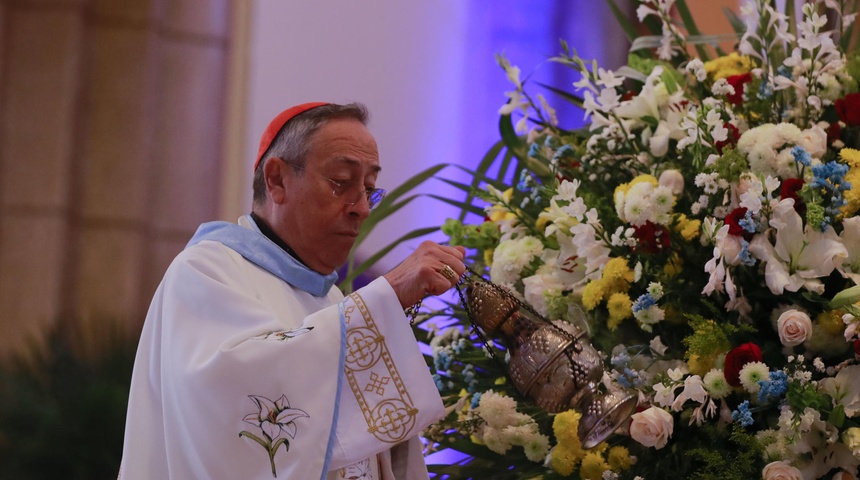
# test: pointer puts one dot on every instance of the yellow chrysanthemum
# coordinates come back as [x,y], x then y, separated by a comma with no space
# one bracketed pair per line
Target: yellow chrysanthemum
[645,179]
[617,275]
[593,294]
[689,229]
[850,156]
[565,426]
[488,256]
[593,466]
[673,266]
[852,196]
[831,321]
[727,66]
[501,381]
[565,459]
[620,308]
[618,458]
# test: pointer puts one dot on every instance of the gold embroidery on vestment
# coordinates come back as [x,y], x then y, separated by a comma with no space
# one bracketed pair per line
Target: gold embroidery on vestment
[389,412]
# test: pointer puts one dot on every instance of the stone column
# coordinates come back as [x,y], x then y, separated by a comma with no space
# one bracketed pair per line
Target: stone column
[110,154]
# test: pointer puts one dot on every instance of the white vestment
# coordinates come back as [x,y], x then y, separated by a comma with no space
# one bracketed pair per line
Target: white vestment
[242,375]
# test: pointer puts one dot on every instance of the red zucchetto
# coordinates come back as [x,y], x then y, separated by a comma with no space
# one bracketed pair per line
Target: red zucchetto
[278,123]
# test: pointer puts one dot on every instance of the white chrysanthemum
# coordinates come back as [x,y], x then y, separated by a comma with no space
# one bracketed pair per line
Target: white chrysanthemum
[650,316]
[497,410]
[511,256]
[662,199]
[536,447]
[751,374]
[716,384]
[495,440]
[767,148]
[520,434]
[636,210]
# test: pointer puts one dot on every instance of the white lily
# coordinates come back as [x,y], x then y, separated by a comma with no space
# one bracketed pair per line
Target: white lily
[851,236]
[800,256]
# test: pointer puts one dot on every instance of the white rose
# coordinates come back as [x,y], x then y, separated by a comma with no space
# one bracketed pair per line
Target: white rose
[652,428]
[780,471]
[814,141]
[673,180]
[794,327]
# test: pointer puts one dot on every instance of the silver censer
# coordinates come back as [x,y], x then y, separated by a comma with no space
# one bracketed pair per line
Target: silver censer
[553,364]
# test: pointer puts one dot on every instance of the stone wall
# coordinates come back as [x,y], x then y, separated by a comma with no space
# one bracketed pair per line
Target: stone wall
[112,115]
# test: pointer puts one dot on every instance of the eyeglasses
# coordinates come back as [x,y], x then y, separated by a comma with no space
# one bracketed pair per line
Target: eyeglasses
[351,191]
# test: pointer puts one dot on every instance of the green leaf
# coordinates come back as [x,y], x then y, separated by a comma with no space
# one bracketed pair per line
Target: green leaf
[737,24]
[623,21]
[461,205]
[837,416]
[255,438]
[846,297]
[574,99]
[513,141]
[692,29]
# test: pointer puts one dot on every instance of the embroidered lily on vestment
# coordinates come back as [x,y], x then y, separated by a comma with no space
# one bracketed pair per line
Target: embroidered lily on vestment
[273,419]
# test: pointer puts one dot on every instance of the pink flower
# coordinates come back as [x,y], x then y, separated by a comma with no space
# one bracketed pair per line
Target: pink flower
[780,471]
[652,428]
[794,327]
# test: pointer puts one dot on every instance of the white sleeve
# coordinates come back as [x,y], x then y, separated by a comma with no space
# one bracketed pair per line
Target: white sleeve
[388,395]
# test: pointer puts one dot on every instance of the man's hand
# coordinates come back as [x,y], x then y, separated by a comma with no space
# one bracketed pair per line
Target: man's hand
[423,272]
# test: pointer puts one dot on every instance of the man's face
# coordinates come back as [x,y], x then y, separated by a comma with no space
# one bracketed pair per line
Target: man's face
[318,225]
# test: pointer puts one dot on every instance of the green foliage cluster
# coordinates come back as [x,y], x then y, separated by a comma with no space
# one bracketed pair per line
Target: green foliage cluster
[63,416]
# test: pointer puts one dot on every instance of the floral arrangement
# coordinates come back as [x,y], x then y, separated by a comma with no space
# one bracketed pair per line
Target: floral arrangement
[703,228]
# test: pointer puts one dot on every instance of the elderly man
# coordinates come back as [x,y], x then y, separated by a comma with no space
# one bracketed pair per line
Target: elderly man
[252,365]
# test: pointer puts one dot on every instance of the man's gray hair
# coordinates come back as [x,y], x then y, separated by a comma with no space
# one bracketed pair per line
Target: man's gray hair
[293,140]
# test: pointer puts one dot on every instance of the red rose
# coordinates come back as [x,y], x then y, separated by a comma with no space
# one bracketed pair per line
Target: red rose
[736,359]
[738,82]
[848,109]
[731,140]
[834,132]
[652,237]
[789,189]
[857,347]
[733,221]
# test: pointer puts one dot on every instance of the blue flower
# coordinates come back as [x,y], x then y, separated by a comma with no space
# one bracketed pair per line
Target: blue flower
[744,255]
[747,223]
[784,71]
[439,384]
[801,156]
[476,399]
[525,183]
[644,302]
[774,388]
[534,149]
[743,415]
[765,91]
[564,151]
[441,360]
[620,360]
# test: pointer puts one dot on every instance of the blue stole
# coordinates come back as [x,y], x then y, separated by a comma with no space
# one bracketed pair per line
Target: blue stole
[259,250]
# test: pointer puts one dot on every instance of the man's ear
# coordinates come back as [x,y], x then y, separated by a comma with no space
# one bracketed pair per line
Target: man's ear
[274,172]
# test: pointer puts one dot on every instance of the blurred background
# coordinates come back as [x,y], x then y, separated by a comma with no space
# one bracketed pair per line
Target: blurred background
[124,124]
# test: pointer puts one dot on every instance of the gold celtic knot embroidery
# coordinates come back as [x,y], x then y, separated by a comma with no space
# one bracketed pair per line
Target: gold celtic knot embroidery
[374,380]
[392,420]
[362,348]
